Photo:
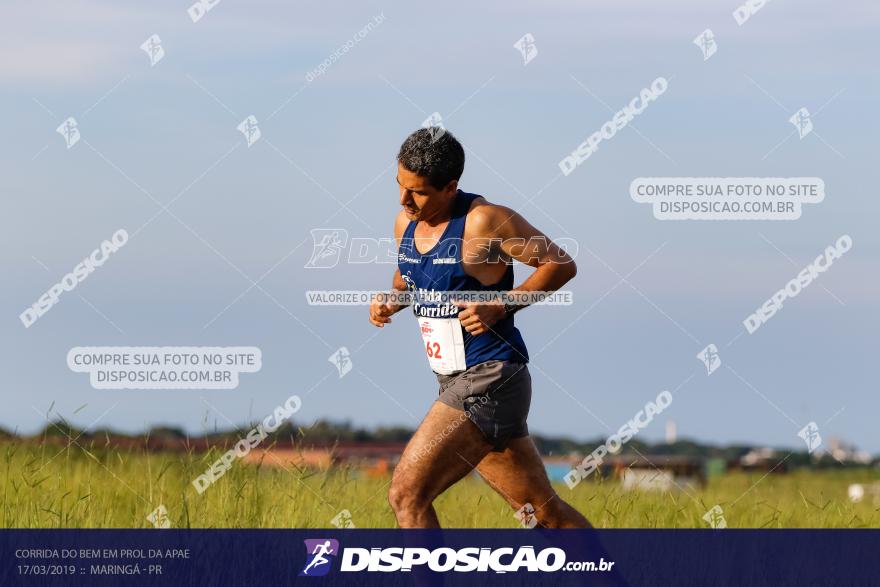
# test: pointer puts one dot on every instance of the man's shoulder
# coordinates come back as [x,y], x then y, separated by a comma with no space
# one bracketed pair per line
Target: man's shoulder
[484,217]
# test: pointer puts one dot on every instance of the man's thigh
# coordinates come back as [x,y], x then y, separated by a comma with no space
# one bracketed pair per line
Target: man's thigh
[518,474]
[445,447]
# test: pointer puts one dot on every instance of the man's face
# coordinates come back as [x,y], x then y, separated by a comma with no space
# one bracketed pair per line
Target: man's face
[419,198]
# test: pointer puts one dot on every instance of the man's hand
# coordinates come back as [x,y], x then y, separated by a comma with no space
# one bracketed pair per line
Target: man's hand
[381,309]
[479,318]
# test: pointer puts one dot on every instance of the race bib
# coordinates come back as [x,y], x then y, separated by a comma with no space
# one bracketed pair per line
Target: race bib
[444,344]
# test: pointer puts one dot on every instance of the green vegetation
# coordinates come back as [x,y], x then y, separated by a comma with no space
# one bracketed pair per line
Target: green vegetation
[101,486]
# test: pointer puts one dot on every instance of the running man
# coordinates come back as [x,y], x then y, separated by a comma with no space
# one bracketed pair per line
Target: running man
[450,240]
[320,559]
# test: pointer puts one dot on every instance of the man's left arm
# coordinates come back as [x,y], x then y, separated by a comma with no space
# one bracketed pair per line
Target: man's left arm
[518,239]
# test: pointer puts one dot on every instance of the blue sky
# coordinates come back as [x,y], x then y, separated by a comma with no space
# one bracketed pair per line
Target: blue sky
[169,131]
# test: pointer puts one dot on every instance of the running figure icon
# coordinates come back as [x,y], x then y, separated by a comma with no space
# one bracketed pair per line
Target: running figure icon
[319,559]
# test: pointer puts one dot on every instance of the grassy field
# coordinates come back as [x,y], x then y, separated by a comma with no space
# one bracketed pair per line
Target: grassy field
[47,486]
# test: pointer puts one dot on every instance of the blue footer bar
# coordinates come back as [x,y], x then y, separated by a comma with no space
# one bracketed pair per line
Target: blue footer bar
[447,557]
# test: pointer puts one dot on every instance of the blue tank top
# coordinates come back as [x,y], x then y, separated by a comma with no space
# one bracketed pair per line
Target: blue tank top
[440,270]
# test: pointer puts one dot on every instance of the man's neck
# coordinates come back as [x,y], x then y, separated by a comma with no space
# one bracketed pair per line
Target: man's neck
[443,215]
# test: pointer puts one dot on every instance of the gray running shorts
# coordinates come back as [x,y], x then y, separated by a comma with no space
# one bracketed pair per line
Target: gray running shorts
[495,395]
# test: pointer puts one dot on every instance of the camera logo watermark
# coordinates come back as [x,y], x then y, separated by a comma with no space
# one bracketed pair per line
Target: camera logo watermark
[616,441]
[706,42]
[618,122]
[526,516]
[164,367]
[69,129]
[327,247]
[794,287]
[83,269]
[159,518]
[243,447]
[715,518]
[527,48]
[154,50]
[811,437]
[201,8]
[250,129]
[802,121]
[343,520]
[710,357]
[341,359]
[727,198]
[434,124]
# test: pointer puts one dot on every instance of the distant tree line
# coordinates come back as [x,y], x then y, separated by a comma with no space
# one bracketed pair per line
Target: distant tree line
[326,432]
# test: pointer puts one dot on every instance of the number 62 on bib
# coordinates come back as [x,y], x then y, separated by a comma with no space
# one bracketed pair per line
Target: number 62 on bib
[444,344]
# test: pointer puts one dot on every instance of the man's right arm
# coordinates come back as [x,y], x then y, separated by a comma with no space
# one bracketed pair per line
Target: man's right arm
[381,309]
[397,282]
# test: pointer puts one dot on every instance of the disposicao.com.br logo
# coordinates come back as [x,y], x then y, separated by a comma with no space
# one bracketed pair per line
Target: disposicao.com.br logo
[463,560]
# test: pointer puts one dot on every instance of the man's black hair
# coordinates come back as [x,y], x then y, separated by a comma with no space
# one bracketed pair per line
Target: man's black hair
[433,153]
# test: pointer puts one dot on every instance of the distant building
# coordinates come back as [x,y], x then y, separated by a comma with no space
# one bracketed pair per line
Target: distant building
[844,452]
[373,457]
[657,472]
[761,459]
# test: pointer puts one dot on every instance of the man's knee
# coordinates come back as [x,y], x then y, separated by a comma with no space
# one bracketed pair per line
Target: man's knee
[551,513]
[556,513]
[406,495]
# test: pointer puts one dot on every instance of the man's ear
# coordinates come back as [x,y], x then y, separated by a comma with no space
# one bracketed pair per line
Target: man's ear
[451,187]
